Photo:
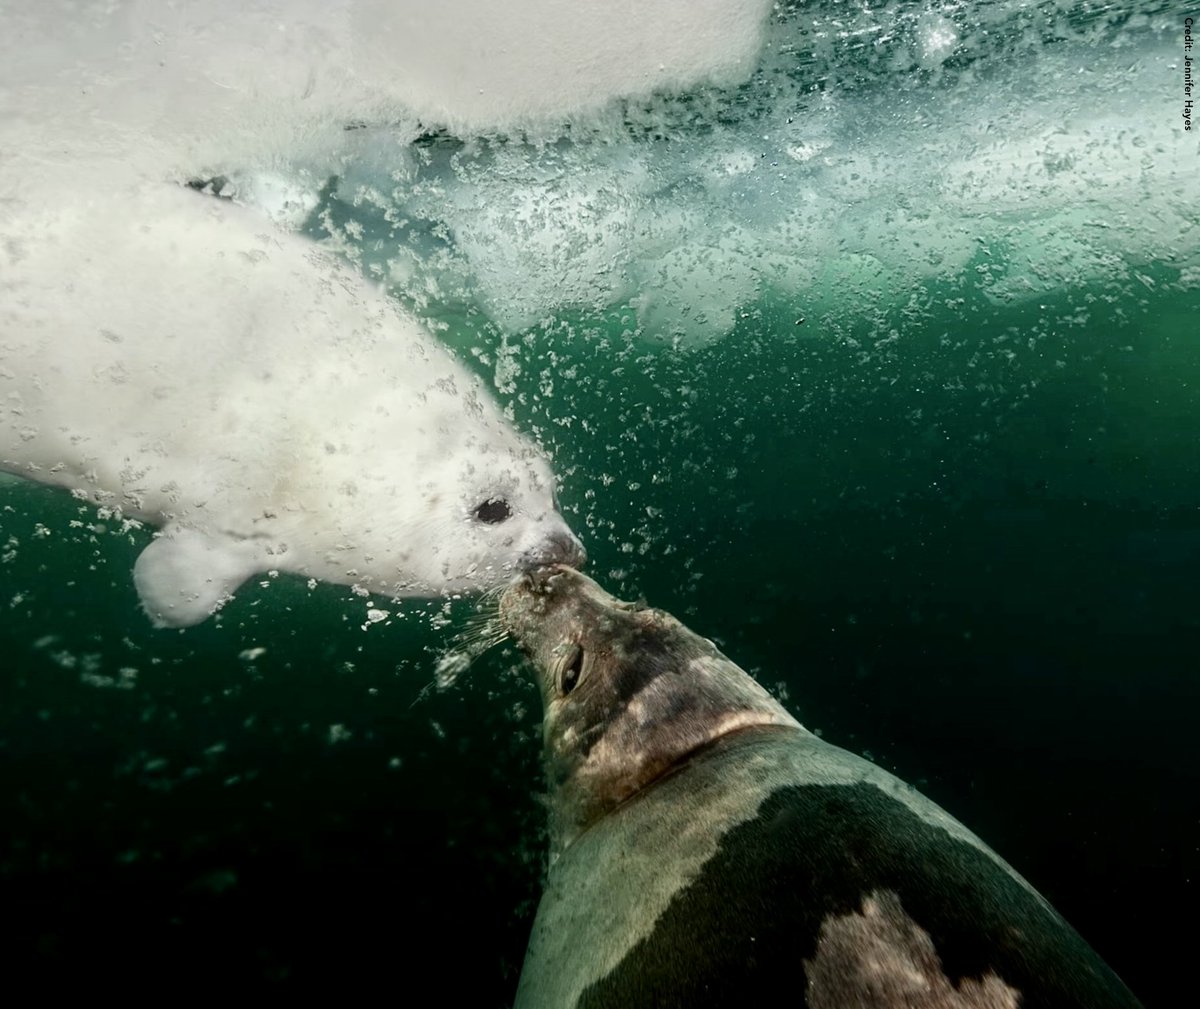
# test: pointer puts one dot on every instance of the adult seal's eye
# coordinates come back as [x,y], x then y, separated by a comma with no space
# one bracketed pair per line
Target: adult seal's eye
[493,511]
[570,674]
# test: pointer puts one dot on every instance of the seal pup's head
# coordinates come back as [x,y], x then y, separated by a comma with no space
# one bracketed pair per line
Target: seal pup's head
[628,692]
[445,497]
[480,512]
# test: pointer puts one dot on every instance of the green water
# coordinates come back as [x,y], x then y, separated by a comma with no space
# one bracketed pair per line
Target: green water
[958,536]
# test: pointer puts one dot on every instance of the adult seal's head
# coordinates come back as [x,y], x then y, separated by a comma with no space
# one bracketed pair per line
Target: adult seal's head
[628,692]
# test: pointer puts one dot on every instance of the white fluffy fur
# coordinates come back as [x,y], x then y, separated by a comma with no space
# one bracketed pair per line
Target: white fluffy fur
[173,356]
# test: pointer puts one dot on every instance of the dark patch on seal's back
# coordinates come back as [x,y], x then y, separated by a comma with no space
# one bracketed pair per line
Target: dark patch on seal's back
[739,934]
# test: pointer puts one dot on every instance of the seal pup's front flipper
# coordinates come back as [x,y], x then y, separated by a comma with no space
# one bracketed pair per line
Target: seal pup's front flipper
[186,574]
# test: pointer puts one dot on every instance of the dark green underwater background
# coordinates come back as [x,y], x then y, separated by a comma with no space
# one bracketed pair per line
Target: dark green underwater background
[970,553]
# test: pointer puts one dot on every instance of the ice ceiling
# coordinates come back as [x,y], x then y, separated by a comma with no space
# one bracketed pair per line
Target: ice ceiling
[676,161]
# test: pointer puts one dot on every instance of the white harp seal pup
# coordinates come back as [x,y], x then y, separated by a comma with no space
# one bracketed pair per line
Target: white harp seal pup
[177,359]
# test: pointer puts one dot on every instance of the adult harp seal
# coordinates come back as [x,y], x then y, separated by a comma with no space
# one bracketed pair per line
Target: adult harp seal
[709,851]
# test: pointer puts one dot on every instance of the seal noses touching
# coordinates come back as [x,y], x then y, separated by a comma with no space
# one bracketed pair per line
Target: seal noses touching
[538,579]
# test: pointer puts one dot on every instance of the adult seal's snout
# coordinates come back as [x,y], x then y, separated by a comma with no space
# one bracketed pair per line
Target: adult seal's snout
[709,851]
[540,579]
[525,604]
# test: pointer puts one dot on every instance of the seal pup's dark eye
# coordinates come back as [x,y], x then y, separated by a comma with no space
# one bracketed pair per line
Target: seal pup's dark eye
[493,511]
[570,673]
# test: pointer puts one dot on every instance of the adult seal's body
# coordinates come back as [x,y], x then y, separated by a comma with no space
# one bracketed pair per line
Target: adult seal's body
[178,360]
[709,851]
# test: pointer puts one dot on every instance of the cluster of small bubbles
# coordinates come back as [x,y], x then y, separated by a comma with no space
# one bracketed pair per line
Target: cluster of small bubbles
[450,666]
[126,679]
[375,616]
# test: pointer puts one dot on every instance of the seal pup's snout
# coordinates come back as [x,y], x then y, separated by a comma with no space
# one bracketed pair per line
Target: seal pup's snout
[568,550]
[560,547]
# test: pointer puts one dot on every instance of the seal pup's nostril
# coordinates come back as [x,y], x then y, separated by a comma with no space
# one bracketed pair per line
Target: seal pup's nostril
[557,548]
[569,550]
